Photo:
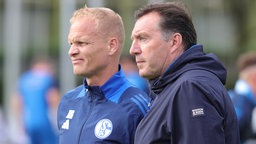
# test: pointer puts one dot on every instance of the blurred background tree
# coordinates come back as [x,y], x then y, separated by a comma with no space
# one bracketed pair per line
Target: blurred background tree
[243,16]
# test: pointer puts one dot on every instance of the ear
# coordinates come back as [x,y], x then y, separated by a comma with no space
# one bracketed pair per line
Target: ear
[175,41]
[113,45]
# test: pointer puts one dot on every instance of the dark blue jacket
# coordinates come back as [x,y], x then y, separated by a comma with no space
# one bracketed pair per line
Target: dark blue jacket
[108,114]
[192,105]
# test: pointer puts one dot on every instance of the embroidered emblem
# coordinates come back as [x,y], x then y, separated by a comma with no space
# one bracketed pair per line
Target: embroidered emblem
[103,128]
[69,116]
[197,112]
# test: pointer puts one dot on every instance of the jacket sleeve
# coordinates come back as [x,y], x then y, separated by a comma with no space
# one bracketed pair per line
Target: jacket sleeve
[197,115]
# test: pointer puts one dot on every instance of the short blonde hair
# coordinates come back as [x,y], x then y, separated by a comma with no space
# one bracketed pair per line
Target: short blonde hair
[108,22]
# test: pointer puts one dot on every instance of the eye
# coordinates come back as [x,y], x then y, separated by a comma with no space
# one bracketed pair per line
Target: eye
[142,39]
[78,43]
[82,43]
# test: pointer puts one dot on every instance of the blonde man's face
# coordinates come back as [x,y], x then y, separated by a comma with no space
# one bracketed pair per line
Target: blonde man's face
[88,49]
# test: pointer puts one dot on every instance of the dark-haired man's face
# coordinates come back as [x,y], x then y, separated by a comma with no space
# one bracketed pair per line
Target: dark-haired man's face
[149,47]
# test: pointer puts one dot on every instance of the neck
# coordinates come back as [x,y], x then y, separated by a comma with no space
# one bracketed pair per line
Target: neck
[101,78]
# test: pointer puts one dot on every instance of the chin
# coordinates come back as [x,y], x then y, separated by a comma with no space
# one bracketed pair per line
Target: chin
[146,75]
[142,74]
[77,73]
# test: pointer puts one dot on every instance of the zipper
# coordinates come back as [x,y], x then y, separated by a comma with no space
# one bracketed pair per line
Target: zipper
[92,103]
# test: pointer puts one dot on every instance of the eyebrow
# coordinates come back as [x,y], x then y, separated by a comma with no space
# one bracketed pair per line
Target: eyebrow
[139,34]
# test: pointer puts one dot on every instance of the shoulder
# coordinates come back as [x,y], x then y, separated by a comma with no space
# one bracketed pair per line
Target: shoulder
[137,99]
[196,87]
[73,94]
[205,81]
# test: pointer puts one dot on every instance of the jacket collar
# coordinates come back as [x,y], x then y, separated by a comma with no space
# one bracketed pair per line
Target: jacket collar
[116,84]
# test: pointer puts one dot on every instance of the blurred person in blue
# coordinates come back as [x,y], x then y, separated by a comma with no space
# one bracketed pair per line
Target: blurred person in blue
[191,104]
[244,94]
[106,108]
[37,96]
[131,72]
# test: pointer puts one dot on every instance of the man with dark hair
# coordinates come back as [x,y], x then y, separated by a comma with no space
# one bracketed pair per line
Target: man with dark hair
[191,104]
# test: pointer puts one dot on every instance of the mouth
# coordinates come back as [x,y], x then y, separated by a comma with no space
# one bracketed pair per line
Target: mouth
[139,63]
[76,61]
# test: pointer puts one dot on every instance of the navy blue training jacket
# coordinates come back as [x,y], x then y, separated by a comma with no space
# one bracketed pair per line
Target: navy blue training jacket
[108,114]
[191,104]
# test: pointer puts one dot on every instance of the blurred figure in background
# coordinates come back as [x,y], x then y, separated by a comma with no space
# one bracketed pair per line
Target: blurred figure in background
[132,73]
[36,102]
[244,94]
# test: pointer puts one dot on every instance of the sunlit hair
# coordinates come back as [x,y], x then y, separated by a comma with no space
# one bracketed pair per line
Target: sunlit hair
[174,18]
[108,22]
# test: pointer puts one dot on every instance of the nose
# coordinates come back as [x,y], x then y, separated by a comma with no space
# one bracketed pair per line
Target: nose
[73,50]
[135,48]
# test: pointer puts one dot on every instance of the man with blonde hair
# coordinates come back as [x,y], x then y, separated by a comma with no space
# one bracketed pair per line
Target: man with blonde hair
[106,108]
